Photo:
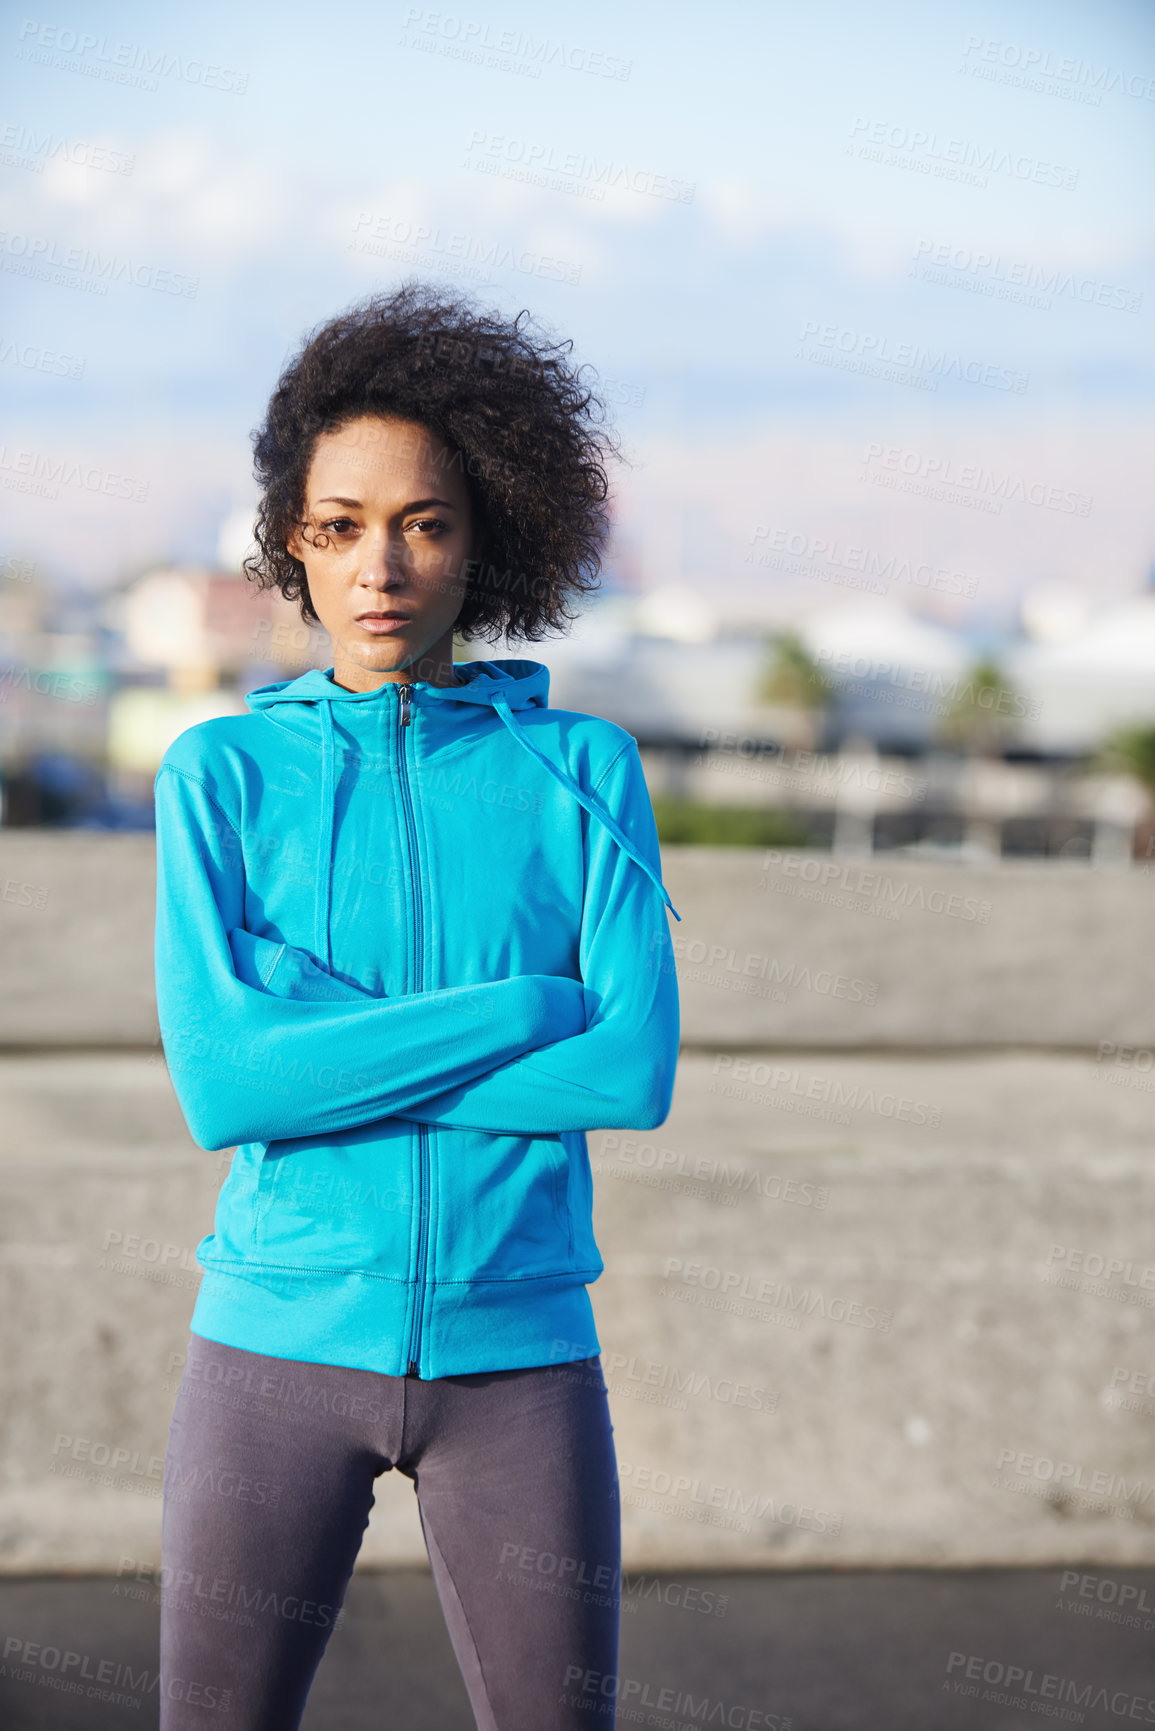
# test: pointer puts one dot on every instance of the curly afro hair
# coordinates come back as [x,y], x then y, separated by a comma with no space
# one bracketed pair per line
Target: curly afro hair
[531,438]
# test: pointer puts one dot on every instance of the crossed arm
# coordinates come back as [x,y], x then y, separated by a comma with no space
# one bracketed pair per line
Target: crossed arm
[263,1044]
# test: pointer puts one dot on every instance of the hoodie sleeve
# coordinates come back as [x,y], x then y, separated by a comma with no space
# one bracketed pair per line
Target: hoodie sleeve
[619,1072]
[251,1066]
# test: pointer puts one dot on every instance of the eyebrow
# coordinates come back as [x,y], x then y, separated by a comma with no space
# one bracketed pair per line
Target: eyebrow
[415,505]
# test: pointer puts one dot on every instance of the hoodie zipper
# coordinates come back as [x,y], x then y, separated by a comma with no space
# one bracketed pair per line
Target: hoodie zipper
[413,1350]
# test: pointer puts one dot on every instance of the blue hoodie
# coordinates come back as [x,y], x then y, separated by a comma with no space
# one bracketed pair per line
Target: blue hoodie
[411,944]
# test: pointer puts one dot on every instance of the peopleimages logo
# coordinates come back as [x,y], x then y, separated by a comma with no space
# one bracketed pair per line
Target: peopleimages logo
[36,471]
[24,147]
[119,62]
[1097,1480]
[519,158]
[38,360]
[1068,69]
[1109,1599]
[791,975]
[99,1679]
[78,266]
[1013,278]
[992,487]
[732,1283]
[470,39]
[838,877]
[595,1691]
[815,551]
[877,350]
[903,1107]
[930,152]
[388,236]
[1029,1690]
[868,672]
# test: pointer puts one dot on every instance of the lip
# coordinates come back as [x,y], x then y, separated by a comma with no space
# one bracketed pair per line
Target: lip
[382,623]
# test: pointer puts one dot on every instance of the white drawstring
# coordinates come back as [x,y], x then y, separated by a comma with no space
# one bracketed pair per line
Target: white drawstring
[501,704]
[321,920]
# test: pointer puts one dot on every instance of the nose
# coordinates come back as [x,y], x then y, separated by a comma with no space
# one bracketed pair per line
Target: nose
[382,563]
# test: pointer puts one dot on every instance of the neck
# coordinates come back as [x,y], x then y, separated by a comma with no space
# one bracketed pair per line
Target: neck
[435,667]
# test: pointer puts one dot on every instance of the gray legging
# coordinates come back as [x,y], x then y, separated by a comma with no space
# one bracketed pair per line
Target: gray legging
[267,1490]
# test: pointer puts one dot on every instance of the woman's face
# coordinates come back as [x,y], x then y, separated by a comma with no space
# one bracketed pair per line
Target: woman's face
[387,537]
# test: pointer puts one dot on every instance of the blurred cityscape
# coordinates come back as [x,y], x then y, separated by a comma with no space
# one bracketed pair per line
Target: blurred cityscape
[861,725]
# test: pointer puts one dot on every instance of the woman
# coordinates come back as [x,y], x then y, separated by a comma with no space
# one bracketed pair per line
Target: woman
[411,946]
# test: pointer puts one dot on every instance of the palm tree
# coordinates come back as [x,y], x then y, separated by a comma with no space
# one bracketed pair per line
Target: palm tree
[1131,751]
[983,715]
[791,680]
[981,721]
[792,676]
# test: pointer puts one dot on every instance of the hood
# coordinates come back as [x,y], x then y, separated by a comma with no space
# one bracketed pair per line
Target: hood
[504,686]
[524,685]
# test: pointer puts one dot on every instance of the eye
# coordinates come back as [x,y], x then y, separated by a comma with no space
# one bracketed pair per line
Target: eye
[431,524]
[339,525]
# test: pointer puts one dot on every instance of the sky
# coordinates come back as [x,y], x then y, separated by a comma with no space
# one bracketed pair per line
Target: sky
[869,289]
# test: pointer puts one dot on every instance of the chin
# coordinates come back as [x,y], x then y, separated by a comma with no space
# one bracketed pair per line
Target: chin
[377,656]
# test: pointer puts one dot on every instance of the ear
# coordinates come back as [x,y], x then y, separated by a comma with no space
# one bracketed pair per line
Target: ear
[295,547]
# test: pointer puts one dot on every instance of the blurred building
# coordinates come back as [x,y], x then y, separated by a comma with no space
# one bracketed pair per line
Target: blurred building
[1085,676]
[658,665]
[54,688]
[93,690]
[923,740]
[193,641]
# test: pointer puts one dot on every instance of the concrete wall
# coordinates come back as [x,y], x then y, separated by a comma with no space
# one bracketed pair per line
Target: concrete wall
[832,1316]
[803,950]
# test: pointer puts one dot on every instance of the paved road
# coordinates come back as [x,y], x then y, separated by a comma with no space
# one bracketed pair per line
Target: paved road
[912,1337]
[830,1652]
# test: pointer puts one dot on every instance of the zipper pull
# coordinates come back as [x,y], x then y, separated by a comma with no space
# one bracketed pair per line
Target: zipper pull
[405,691]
